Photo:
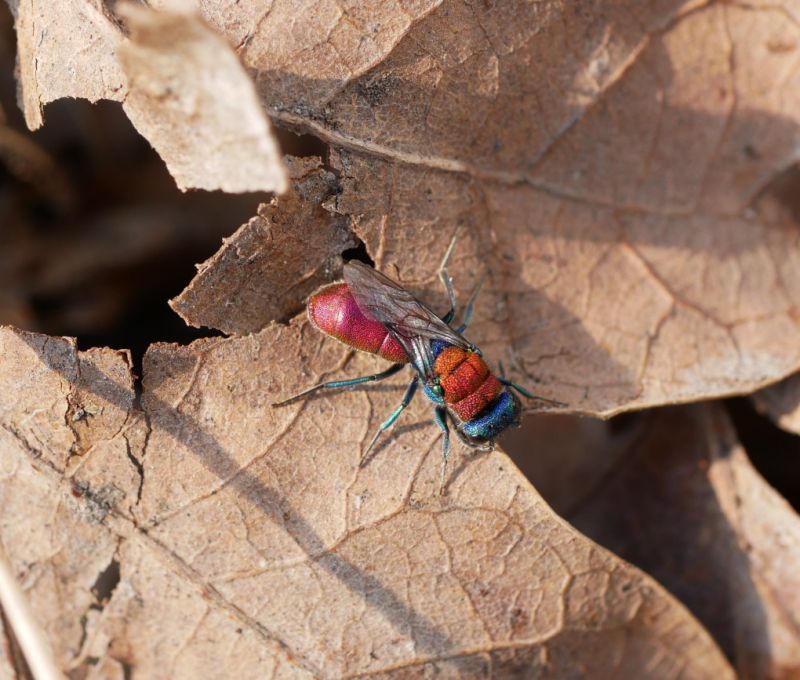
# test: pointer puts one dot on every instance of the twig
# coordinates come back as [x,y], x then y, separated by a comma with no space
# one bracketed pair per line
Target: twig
[29,635]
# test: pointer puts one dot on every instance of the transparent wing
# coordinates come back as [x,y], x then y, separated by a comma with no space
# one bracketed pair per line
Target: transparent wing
[410,322]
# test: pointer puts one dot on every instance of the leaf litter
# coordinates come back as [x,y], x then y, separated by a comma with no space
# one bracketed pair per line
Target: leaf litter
[607,169]
[675,494]
[239,529]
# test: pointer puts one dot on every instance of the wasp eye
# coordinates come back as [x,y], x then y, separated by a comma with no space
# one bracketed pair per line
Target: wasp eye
[437,390]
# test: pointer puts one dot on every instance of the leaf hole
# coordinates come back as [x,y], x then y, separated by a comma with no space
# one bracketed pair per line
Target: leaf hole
[300,145]
[106,582]
[774,452]
[359,252]
[623,423]
[98,235]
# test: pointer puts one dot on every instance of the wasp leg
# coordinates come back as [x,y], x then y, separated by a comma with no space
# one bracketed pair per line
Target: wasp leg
[470,307]
[530,395]
[451,294]
[407,397]
[447,281]
[334,384]
[487,446]
[440,416]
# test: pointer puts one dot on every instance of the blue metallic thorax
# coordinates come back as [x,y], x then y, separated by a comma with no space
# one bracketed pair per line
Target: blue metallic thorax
[437,346]
[503,412]
[435,398]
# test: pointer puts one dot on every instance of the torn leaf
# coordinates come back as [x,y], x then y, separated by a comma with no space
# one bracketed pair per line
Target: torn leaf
[256,540]
[267,268]
[682,501]
[65,50]
[191,98]
[781,402]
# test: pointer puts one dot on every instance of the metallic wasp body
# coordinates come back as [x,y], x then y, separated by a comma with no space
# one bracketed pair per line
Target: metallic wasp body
[372,313]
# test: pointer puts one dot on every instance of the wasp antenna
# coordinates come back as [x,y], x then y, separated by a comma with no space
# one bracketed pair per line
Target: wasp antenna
[444,275]
[470,307]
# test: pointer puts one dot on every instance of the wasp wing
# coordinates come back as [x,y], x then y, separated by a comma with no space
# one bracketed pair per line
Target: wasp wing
[410,322]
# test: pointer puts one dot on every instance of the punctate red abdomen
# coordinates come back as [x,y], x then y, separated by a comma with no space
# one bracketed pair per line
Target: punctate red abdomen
[469,387]
[335,312]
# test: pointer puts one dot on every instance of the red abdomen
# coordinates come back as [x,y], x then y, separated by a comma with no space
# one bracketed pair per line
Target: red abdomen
[468,385]
[334,311]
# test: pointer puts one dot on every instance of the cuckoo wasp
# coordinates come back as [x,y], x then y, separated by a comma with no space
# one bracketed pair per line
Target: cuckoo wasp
[370,312]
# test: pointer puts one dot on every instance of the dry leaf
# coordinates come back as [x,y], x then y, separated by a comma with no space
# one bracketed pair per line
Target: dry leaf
[613,194]
[65,50]
[621,175]
[180,83]
[191,98]
[613,300]
[613,188]
[683,502]
[212,522]
[272,263]
[781,402]
[94,233]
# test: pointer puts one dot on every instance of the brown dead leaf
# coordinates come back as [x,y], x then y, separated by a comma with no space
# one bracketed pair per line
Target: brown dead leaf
[273,262]
[781,402]
[683,502]
[609,164]
[612,169]
[65,50]
[606,168]
[180,83]
[213,535]
[94,233]
[571,455]
[191,98]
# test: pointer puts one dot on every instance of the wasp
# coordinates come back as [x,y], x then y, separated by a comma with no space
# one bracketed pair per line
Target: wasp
[371,313]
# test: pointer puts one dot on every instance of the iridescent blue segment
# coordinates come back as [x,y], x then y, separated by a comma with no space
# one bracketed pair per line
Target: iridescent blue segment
[435,398]
[437,346]
[436,349]
[495,418]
